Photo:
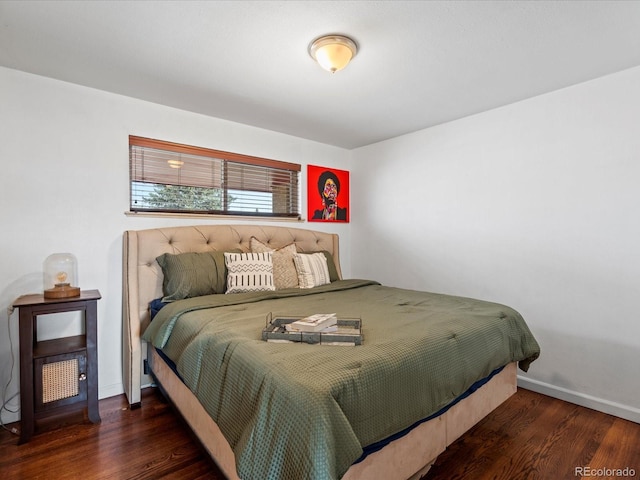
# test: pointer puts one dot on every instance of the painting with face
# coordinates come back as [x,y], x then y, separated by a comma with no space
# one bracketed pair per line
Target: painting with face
[327,194]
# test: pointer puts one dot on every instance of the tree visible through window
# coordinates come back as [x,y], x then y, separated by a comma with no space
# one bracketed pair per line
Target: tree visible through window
[175,197]
[169,177]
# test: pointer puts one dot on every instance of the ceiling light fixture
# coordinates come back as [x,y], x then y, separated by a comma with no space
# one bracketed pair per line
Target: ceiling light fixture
[333,52]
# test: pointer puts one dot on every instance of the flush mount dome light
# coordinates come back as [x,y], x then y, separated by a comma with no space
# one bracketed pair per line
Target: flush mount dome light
[333,52]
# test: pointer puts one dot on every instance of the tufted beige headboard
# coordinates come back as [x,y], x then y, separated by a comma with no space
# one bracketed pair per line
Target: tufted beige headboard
[142,276]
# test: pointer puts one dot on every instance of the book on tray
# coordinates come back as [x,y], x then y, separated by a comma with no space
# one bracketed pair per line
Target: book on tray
[320,322]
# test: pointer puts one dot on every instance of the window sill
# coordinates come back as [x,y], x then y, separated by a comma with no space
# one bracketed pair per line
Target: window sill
[204,216]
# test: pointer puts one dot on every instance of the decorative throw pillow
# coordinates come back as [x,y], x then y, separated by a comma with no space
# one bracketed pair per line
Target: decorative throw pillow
[285,274]
[312,269]
[192,274]
[331,264]
[249,272]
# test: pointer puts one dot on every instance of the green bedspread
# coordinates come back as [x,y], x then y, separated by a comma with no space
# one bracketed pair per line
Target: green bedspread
[299,411]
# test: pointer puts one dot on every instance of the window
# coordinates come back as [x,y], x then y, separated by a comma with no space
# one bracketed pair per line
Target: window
[175,178]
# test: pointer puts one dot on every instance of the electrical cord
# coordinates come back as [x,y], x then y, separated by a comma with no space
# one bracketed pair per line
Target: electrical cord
[5,400]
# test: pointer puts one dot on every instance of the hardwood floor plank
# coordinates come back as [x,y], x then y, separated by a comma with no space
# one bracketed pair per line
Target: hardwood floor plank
[535,437]
[620,449]
[529,437]
[151,442]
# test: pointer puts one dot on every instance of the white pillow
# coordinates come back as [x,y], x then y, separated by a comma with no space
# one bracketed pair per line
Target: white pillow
[312,269]
[249,272]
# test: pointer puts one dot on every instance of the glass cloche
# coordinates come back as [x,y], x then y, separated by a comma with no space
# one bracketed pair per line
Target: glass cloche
[61,276]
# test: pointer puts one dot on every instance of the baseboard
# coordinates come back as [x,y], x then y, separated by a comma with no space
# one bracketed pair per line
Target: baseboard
[107,391]
[612,408]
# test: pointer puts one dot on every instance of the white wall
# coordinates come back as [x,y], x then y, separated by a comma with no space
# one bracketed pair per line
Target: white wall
[64,187]
[535,205]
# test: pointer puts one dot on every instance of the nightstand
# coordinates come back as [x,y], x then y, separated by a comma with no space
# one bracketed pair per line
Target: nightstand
[58,376]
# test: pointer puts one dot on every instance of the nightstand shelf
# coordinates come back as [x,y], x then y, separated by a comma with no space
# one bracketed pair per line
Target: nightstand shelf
[58,376]
[48,348]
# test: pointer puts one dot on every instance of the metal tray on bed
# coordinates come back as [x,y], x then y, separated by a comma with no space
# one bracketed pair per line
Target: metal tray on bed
[349,332]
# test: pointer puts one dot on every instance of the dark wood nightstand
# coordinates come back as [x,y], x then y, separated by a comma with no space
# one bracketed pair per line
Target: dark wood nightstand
[57,376]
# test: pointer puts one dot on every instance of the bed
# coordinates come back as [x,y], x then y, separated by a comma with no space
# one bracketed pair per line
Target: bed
[265,410]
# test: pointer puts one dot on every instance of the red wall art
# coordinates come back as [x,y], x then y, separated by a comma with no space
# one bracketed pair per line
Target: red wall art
[327,194]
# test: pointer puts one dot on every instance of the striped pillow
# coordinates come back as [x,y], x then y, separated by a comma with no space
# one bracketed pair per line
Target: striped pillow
[249,272]
[312,269]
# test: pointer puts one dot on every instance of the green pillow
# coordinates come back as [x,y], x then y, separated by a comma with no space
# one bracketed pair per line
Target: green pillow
[192,274]
[331,264]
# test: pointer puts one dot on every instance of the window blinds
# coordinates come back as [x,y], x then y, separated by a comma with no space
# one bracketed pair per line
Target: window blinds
[169,177]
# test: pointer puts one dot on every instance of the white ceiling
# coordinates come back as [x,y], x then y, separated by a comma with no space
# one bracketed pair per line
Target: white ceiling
[420,63]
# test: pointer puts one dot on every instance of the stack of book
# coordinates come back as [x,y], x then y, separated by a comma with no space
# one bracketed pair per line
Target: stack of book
[320,322]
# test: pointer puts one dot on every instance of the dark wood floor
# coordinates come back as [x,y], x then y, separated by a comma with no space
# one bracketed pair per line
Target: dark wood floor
[531,436]
[151,442]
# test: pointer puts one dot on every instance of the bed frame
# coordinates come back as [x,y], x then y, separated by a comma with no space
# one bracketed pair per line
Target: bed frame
[409,457]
